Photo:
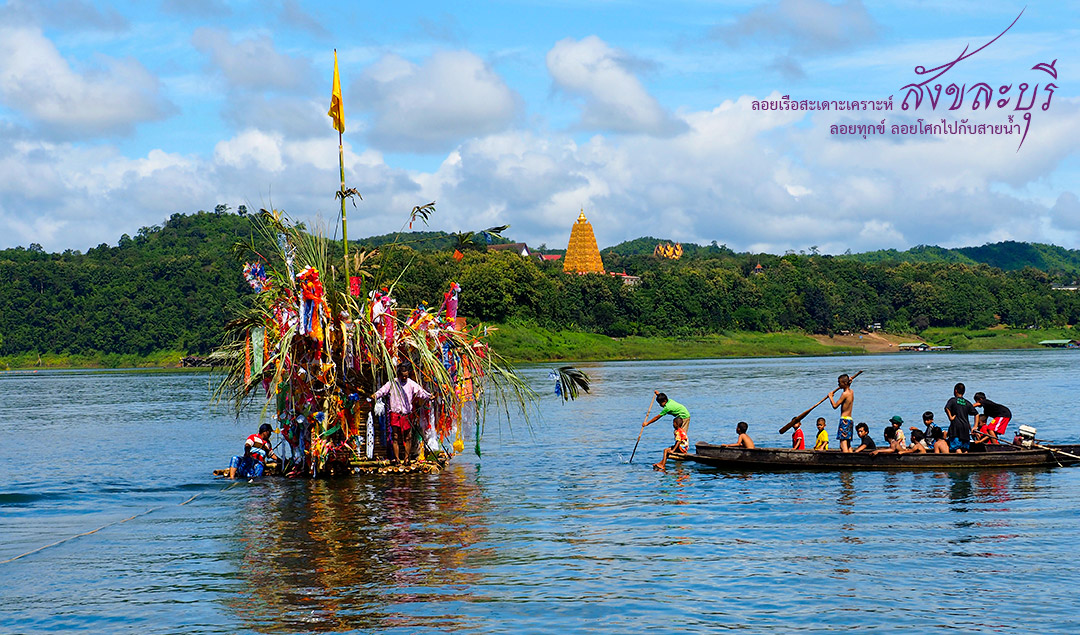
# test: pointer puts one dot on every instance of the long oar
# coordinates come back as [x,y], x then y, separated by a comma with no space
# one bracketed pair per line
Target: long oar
[642,427]
[798,418]
[1038,446]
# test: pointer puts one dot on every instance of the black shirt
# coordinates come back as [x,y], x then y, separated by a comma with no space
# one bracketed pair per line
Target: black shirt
[960,426]
[867,442]
[994,410]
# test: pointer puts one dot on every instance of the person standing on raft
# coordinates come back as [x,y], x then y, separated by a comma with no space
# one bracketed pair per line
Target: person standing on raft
[846,404]
[403,392]
[681,423]
[256,451]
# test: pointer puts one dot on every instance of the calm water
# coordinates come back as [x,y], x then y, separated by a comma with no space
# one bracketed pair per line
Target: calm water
[552,531]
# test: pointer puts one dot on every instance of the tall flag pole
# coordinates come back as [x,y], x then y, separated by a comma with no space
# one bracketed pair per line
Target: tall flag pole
[337,113]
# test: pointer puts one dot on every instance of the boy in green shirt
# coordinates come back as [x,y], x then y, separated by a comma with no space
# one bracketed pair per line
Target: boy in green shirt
[681,424]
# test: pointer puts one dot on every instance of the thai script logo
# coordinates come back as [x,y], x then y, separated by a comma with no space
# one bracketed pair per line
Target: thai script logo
[980,97]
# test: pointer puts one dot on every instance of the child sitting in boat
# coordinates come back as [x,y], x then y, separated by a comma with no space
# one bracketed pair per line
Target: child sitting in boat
[868,444]
[890,437]
[744,440]
[256,451]
[941,446]
[822,441]
[897,423]
[930,426]
[918,443]
[797,440]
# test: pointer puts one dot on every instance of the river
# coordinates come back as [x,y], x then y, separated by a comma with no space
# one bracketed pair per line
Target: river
[552,530]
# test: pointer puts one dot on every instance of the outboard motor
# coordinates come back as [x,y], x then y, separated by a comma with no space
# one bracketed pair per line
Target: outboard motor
[1025,436]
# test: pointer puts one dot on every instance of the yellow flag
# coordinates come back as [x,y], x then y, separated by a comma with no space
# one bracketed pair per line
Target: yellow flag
[336,112]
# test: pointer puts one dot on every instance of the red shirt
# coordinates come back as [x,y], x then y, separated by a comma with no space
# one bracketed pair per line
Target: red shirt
[797,442]
[258,447]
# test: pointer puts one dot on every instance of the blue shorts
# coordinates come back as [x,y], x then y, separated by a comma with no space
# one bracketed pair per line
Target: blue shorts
[247,467]
[956,444]
[845,430]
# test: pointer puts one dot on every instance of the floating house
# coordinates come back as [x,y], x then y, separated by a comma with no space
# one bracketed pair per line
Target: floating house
[1060,343]
[914,346]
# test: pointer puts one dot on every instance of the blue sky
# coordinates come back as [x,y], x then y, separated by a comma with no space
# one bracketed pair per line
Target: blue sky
[115,115]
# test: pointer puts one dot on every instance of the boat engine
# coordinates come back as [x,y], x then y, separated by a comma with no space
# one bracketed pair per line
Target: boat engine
[1025,436]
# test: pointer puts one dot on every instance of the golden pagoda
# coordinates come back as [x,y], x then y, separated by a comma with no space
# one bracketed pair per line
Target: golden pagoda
[582,255]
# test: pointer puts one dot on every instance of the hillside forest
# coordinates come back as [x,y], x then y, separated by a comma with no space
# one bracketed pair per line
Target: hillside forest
[173,286]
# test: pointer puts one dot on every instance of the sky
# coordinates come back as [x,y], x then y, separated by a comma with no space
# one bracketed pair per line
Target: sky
[116,115]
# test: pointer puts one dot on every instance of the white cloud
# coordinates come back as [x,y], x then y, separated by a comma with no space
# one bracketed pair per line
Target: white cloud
[251,148]
[771,180]
[37,81]
[253,63]
[431,107]
[294,117]
[1066,211]
[614,97]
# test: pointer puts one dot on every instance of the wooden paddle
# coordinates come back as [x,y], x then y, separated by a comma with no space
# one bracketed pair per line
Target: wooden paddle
[798,418]
[1039,446]
[643,426]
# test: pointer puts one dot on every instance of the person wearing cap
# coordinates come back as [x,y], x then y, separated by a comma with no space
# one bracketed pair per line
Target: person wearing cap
[894,436]
[403,393]
[256,451]
[898,423]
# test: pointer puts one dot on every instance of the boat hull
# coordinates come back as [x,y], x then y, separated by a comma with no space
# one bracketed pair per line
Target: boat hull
[787,459]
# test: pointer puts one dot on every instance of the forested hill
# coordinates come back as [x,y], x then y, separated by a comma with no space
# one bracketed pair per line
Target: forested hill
[167,288]
[172,287]
[1007,256]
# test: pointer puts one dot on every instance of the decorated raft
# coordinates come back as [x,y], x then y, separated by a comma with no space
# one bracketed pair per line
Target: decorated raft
[311,348]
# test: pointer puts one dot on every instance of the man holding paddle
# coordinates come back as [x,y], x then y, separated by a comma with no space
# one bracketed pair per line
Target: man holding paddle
[681,423]
[846,403]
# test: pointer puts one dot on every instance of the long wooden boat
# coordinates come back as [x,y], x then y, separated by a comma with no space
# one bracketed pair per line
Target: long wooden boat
[992,456]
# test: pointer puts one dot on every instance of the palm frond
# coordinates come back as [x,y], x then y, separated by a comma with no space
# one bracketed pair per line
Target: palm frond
[570,381]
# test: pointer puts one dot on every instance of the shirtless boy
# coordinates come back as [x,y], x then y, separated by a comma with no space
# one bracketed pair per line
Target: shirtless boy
[845,404]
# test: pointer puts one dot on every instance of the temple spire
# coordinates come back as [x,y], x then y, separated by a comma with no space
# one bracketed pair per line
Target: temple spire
[582,255]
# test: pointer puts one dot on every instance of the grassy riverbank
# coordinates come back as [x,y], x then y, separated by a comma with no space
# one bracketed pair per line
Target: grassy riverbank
[533,344]
[520,343]
[996,338]
[160,359]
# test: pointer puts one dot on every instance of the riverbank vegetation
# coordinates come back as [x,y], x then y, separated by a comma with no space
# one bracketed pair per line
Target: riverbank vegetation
[169,289]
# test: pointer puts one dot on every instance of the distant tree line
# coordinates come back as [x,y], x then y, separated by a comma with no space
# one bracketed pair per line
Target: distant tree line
[173,286]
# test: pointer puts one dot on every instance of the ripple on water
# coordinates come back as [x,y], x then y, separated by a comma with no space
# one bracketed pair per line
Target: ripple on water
[550,532]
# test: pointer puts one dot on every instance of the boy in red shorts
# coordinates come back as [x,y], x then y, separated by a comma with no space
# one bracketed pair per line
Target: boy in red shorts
[995,418]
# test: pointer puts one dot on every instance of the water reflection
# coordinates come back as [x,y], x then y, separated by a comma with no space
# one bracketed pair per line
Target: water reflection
[340,555]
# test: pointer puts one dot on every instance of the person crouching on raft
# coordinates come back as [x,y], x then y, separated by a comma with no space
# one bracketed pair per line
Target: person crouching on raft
[403,392]
[256,451]
[681,423]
